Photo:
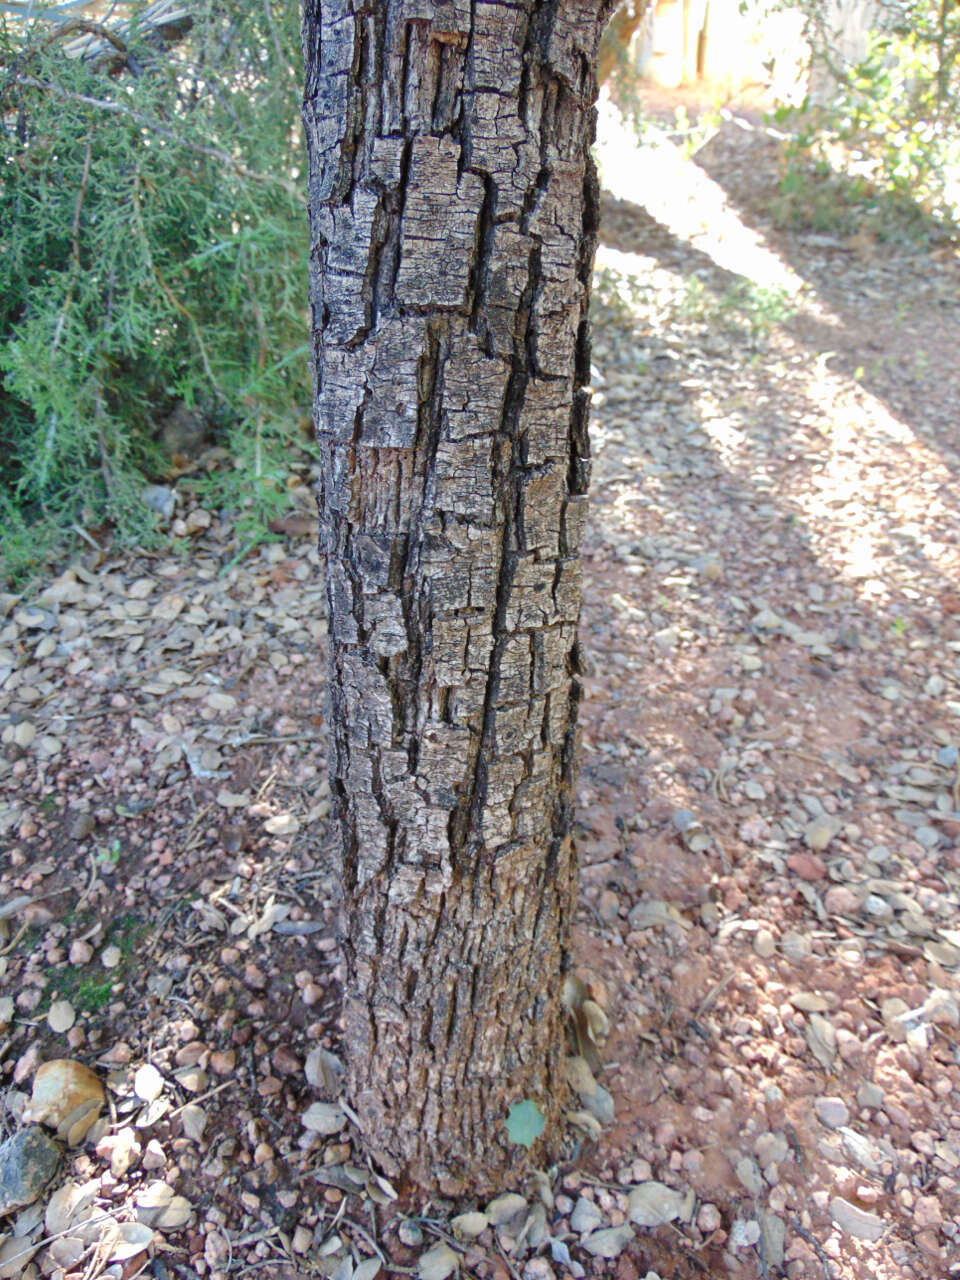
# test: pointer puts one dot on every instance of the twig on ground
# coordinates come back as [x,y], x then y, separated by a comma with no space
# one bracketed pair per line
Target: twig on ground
[814,1244]
[202,1097]
[710,998]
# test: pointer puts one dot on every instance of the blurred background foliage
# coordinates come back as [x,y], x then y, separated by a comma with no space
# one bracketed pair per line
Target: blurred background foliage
[880,135]
[153,250]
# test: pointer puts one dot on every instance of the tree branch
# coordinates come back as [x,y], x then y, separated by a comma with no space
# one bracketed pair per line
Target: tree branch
[116,108]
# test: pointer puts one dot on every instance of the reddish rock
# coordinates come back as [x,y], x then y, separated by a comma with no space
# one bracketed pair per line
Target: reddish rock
[928,1242]
[841,901]
[927,1212]
[807,866]
[626,1268]
[285,1061]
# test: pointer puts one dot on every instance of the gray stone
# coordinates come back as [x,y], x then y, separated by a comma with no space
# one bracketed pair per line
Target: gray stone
[160,499]
[863,1151]
[749,1174]
[410,1233]
[831,1111]
[855,1221]
[586,1216]
[609,1243]
[28,1162]
[771,1148]
[684,819]
[796,946]
[600,1104]
[651,1204]
[870,1095]
[538,1269]
[929,837]
[744,1232]
[878,908]
[772,1238]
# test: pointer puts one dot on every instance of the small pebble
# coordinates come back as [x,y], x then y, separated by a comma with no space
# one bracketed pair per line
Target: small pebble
[744,1232]
[153,1155]
[80,952]
[832,1112]
[302,1239]
[708,1218]
[807,866]
[749,1175]
[927,1212]
[841,901]
[586,1216]
[820,831]
[795,946]
[410,1234]
[223,1062]
[538,1269]
[764,943]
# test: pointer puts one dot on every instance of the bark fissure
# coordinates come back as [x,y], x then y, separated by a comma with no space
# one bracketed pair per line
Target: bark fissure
[453,226]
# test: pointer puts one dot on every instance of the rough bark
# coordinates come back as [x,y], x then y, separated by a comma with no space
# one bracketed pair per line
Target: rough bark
[453,216]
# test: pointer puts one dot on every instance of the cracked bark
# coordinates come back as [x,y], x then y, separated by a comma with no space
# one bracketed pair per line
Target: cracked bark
[453,215]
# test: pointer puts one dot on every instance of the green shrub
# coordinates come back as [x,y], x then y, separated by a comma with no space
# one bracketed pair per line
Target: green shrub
[887,146]
[153,250]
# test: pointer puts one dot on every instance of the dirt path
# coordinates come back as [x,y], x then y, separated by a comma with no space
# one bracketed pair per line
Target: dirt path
[772,598]
[769,808]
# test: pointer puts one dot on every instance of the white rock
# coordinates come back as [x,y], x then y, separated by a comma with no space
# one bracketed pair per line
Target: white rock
[764,943]
[831,1111]
[609,1243]
[502,1208]
[469,1225]
[323,1118]
[148,1082]
[744,1232]
[437,1263]
[865,1152]
[586,1216]
[61,1016]
[650,1204]
[538,1269]
[855,1221]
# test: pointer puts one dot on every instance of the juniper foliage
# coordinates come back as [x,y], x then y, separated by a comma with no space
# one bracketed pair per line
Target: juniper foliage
[153,253]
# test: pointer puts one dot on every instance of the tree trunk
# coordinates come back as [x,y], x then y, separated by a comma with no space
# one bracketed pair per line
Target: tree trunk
[453,213]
